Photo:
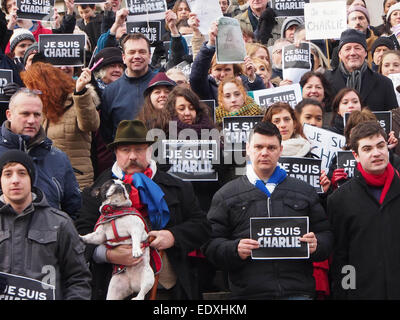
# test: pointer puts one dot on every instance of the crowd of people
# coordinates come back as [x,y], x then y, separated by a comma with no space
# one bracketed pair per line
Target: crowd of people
[66,130]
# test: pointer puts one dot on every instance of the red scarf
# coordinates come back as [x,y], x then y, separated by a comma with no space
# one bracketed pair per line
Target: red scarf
[378,180]
[134,194]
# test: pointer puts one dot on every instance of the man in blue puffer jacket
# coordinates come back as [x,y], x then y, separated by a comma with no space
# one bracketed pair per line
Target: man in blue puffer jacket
[23,131]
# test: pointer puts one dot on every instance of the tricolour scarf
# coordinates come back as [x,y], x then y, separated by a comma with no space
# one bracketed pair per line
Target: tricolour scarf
[146,194]
[379,180]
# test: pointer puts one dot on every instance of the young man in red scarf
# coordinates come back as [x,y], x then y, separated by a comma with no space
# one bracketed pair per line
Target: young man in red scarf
[365,218]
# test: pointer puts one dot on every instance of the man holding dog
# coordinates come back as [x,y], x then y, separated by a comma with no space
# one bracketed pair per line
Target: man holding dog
[37,241]
[183,225]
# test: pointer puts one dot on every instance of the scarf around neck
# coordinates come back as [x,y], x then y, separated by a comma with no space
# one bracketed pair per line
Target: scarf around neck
[250,108]
[354,79]
[379,180]
[268,187]
[295,147]
[146,194]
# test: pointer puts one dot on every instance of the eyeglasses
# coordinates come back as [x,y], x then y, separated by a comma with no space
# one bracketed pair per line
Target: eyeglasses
[31,91]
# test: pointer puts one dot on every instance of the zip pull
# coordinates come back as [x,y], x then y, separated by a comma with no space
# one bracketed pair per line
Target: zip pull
[269,207]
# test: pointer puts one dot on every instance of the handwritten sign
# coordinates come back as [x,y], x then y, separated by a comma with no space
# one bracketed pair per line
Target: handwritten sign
[324,144]
[230,47]
[325,20]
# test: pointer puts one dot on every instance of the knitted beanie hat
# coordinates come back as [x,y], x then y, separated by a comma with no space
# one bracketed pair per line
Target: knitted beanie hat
[19,157]
[19,35]
[392,8]
[352,36]
[361,9]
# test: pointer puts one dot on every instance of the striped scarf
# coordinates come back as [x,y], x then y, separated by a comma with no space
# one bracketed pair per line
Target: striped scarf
[249,109]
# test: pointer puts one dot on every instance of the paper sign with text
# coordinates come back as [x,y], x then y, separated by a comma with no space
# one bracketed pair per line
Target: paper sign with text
[384,119]
[6,76]
[230,47]
[13,287]
[296,61]
[146,10]
[151,29]
[63,49]
[287,8]
[325,20]
[324,144]
[279,237]
[191,160]
[290,94]
[346,161]
[237,130]
[207,12]
[305,169]
[35,9]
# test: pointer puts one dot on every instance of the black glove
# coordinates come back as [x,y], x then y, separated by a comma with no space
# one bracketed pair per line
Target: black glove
[265,25]
[10,88]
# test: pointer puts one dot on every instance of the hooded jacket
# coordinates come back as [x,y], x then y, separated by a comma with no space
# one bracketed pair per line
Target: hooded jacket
[43,236]
[54,173]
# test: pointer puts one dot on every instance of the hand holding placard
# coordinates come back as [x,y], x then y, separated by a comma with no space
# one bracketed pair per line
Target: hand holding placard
[245,246]
[212,34]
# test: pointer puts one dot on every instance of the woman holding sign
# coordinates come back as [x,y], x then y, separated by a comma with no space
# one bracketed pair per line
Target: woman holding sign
[70,114]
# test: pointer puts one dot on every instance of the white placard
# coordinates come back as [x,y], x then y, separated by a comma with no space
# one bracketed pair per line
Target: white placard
[325,20]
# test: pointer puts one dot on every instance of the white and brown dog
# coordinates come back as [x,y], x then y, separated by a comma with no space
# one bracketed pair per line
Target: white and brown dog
[118,224]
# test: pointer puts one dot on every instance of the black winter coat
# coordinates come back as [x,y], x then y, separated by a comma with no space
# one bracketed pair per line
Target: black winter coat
[187,223]
[231,209]
[367,238]
[377,91]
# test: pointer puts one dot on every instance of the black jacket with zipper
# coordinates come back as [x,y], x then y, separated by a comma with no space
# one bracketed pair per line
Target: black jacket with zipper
[367,239]
[231,209]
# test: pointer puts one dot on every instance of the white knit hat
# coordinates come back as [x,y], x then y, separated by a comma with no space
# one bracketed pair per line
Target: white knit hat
[19,35]
[394,7]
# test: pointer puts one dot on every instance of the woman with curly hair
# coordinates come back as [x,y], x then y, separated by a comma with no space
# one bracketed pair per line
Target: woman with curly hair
[70,114]
[233,101]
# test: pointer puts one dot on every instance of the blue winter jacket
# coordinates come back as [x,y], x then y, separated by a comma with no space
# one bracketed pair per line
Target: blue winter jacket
[54,173]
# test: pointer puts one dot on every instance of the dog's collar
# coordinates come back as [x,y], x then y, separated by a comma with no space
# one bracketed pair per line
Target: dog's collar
[108,210]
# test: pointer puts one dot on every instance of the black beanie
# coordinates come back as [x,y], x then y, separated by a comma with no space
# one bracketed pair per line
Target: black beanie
[382,41]
[353,36]
[19,157]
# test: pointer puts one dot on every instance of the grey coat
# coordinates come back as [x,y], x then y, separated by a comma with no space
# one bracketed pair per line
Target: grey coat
[43,236]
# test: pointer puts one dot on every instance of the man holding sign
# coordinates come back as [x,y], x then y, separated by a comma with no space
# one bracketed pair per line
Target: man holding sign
[267,192]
